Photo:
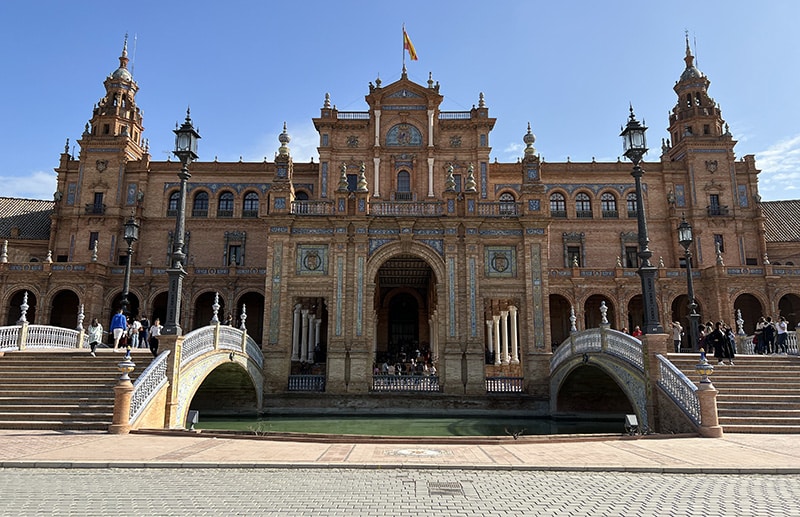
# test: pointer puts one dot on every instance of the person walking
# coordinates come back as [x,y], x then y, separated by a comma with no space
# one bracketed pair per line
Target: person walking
[155,332]
[133,333]
[717,339]
[769,337]
[95,335]
[780,328]
[729,344]
[144,341]
[677,335]
[119,325]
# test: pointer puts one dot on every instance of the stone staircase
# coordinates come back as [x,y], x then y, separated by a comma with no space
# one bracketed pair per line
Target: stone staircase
[65,390]
[759,394]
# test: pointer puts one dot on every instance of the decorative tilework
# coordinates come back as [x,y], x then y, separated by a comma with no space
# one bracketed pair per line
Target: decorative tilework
[214,187]
[450,231]
[534,231]
[324,180]
[436,244]
[130,195]
[361,231]
[502,233]
[280,203]
[534,205]
[533,173]
[537,290]
[427,231]
[72,188]
[342,205]
[275,311]
[680,195]
[484,180]
[596,187]
[404,135]
[360,296]
[339,291]
[504,186]
[451,206]
[473,324]
[279,229]
[281,171]
[374,244]
[312,231]
[211,271]
[404,93]
[501,261]
[472,231]
[451,295]
[743,201]
[471,206]
[383,231]
[312,260]
[362,205]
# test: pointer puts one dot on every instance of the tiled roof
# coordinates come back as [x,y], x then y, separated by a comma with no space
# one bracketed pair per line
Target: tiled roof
[781,220]
[31,216]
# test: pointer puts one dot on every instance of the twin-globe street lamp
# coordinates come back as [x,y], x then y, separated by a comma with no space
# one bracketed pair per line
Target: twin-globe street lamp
[131,235]
[186,138]
[635,146]
[685,239]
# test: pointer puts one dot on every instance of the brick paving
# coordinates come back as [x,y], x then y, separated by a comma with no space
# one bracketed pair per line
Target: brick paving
[95,473]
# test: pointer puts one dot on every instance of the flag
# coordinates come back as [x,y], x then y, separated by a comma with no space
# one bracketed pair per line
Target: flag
[407,45]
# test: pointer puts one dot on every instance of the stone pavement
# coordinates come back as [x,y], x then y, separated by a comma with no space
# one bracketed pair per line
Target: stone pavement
[93,473]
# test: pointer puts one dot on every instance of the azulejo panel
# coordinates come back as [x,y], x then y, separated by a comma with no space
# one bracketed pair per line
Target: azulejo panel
[500,261]
[312,259]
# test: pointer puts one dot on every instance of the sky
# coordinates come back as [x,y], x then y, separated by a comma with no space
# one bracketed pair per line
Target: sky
[570,68]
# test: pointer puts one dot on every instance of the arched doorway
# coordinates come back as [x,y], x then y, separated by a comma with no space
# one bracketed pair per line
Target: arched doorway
[254,303]
[405,298]
[158,309]
[635,313]
[64,309]
[133,304]
[591,311]
[15,308]
[680,313]
[751,309]
[204,310]
[789,307]
[559,319]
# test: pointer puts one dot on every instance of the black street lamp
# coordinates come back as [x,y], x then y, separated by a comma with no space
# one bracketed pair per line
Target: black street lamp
[131,235]
[685,238]
[186,138]
[635,146]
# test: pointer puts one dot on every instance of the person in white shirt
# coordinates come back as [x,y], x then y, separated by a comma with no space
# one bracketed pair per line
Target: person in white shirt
[677,334]
[155,332]
[781,327]
[95,335]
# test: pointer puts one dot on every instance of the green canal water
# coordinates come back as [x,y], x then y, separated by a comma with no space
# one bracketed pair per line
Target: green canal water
[409,425]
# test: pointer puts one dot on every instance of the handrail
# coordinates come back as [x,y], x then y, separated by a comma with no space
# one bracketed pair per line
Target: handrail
[148,384]
[679,388]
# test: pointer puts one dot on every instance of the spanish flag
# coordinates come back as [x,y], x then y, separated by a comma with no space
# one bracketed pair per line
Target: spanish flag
[407,45]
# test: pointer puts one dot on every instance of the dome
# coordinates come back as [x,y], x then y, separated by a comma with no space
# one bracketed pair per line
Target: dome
[122,73]
[691,72]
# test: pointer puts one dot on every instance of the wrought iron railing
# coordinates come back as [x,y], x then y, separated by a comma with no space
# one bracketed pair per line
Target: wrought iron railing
[504,384]
[679,388]
[148,384]
[405,383]
[312,207]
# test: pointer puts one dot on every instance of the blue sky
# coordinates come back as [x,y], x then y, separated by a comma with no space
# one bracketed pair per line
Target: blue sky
[570,68]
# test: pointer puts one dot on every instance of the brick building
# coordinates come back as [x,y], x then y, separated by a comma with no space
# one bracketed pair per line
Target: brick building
[403,238]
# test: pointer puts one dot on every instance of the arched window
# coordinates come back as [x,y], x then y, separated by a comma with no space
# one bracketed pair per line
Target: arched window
[608,204]
[558,205]
[301,195]
[508,205]
[200,205]
[225,206]
[403,187]
[630,203]
[250,205]
[172,205]
[583,206]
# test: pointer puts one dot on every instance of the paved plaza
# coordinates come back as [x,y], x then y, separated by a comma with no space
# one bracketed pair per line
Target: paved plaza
[45,472]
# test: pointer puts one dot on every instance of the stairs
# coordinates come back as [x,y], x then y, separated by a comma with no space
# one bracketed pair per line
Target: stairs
[65,390]
[759,394]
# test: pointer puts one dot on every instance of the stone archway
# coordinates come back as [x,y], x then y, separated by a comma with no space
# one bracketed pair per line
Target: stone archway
[64,309]
[560,323]
[15,307]
[751,309]
[789,307]
[591,311]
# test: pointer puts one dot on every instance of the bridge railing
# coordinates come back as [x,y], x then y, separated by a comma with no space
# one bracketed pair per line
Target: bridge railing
[610,341]
[405,383]
[306,383]
[148,384]
[20,337]
[224,337]
[679,388]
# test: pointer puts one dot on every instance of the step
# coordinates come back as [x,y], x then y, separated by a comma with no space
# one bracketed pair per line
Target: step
[762,429]
[55,425]
[73,409]
[787,412]
[758,420]
[58,416]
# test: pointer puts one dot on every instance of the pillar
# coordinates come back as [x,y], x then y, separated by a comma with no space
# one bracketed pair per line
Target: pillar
[496,326]
[296,334]
[304,335]
[504,335]
[489,336]
[514,339]
[310,342]
[430,177]
[376,185]
[709,418]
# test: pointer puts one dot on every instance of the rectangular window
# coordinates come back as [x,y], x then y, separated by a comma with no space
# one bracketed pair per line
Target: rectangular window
[573,256]
[234,255]
[61,258]
[93,236]
[719,240]
[352,182]
[325,140]
[631,256]
[457,178]
[751,261]
[484,141]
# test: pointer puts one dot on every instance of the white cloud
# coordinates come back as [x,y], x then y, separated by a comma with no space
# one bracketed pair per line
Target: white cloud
[36,185]
[780,169]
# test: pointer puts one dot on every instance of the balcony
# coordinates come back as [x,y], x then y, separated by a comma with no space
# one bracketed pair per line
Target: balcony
[200,212]
[249,214]
[558,214]
[224,214]
[352,115]
[717,211]
[499,209]
[584,214]
[404,196]
[312,207]
[406,208]
[610,214]
[95,209]
[632,214]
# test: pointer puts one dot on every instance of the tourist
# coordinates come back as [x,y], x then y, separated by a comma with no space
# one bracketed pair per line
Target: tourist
[781,327]
[769,337]
[677,334]
[155,332]
[759,335]
[716,340]
[144,342]
[637,331]
[133,333]
[729,345]
[119,325]
[95,335]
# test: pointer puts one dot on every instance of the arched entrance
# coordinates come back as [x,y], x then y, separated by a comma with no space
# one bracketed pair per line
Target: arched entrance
[635,313]
[588,390]
[254,303]
[591,311]
[158,309]
[751,309]
[789,307]
[204,311]
[405,298]
[64,309]
[133,304]
[15,310]
[680,313]
[559,319]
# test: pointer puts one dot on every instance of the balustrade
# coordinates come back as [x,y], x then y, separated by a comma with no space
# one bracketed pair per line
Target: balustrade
[405,383]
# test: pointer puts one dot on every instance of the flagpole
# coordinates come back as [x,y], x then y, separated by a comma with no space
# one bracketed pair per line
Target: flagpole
[403,47]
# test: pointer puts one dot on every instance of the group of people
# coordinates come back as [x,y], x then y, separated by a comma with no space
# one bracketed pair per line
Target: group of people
[412,367]
[770,336]
[127,332]
[718,338]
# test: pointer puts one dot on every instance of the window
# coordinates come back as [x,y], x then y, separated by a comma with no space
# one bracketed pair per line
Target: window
[352,182]
[325,140]
[93,236]
[200,205]
[608,204]
[484,141]
[630,204]
[631,256]
[97,206]
[508,205]
[301,196]
[750,261]
[706,129]
[250,205]
[583,206]
[172,205]
[558,205]
[403,181]
[225,206]
[106,129]
[457,179]
[719,241]
[234,255]
[714,206]
[574,256]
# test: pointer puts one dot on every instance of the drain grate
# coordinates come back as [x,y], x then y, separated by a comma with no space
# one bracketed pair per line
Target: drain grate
[449,488]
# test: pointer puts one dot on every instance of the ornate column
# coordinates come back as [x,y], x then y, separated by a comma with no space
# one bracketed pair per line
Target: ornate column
[430,128]
[490,342]
[430,177]
[304,335]
[376,189]
[496,326]
[377,128]
[504,335]
[310,345]
[317,326]
[514,340]
[296,334]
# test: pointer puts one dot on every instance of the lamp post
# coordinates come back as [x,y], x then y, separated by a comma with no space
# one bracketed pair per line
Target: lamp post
[186,138]
[131,235]
[685,238]
[635,146]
